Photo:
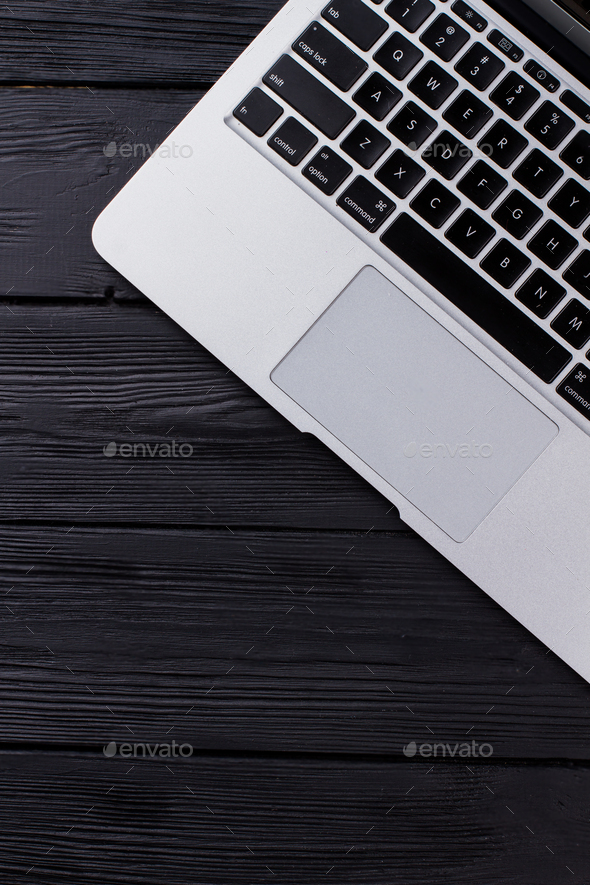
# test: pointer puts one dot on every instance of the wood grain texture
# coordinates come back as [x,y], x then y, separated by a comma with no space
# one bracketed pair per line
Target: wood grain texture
[269,641]
[163,41]
[76,378]
[205,820]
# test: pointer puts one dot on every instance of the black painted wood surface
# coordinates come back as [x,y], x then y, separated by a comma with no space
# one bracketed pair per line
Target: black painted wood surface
[256,600]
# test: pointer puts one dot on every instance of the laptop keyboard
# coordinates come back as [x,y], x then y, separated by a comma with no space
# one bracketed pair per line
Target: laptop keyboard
[432,131]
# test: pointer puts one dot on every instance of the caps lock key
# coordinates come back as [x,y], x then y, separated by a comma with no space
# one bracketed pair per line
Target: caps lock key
[324,52]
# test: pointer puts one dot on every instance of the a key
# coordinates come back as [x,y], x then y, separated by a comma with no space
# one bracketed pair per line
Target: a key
[514,95]
[505,263]
[470,292]
[571,203]
[469,15]
[366,203]
[573,324]
[328,55]
[517,214]
[538,173]
[540,293]
[467,114]
[552,244]
[377,96]
[578,274]
[470,233]
[365,144]
[327,170]
[480,66]
[258,112]
[447,155]
[435,204]
[549,125]
[575,389]
[410,13]
[412,126]
[292,141]
[577,154]
[444,37]
[398,56]
[482,184]
[400,174]
[314,101]
[355,20]
[502,144]
[433,85]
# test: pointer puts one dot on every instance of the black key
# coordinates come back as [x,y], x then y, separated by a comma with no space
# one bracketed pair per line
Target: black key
[363,201]
[447,155]
[552,244]
[540,293]
[412,126]
[467,114]
[549,125]
[572,203]
[444,37]
[410,13]
[470,233]
[576,389]
[517,214]
[577,154]
[433,85]
[258,112]
[435,204]
[398,56]
[327,171]
[502,144]
[480,66]
[482,184]
[542,76]
[325,52]
[469,15]
[292,141]
[312,99]
[514,95]
[400,174]
[377,96]
[355,20]
[575,104]
[578,274]
[538,173]
[365,144]
[499,317]
[505,45]
[573,324]
[505,263]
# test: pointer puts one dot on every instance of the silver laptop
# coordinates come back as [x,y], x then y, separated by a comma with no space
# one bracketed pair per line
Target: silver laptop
[379,218]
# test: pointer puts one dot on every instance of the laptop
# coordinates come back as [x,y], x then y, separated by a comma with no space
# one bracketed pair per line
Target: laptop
[379,219]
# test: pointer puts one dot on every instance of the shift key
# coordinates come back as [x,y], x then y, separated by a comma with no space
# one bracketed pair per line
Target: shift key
[328,55]
[314,101]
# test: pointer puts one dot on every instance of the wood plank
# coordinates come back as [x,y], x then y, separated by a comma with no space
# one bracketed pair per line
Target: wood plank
[76,378]
[163,41]
[205,820]
[57,178]
[269,642]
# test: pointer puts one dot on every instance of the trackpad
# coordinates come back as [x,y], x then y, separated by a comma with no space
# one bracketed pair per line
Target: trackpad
[414,403]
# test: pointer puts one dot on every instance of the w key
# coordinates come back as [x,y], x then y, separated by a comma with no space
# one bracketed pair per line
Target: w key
[433,85]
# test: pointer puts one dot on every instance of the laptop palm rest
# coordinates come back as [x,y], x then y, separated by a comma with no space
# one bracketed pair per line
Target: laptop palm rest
[414,403]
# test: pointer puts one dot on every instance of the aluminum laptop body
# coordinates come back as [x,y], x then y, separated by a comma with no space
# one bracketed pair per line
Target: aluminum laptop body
[448,369]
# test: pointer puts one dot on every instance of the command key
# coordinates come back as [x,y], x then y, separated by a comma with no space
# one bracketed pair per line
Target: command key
[576,389]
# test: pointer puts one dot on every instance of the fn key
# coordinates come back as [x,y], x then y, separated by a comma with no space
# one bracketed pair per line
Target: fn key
[258,112]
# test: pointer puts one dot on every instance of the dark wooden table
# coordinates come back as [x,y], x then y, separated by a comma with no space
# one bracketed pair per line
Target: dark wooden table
[256,600]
